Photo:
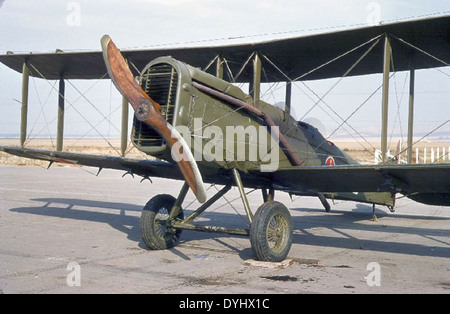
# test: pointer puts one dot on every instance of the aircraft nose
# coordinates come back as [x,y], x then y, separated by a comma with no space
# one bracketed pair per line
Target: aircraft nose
[148,111]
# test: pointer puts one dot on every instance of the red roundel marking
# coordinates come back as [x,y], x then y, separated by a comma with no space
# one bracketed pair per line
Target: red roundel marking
[330,161]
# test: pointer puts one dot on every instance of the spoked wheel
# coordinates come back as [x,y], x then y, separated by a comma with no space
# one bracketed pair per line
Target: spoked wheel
[156,231]
[271,232]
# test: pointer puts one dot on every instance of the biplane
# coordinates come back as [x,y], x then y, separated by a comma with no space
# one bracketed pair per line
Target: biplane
[193,91]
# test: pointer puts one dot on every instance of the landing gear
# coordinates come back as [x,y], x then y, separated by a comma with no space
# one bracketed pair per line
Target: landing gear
[270,229]
[156,229]
[271,232]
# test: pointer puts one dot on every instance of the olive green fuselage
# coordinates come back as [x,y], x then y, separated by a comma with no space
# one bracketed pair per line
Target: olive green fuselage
[225,137]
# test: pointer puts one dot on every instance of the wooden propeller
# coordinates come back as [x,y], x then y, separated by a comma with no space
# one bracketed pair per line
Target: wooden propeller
[149,112]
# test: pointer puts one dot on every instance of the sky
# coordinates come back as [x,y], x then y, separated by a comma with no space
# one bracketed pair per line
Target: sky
[47,25]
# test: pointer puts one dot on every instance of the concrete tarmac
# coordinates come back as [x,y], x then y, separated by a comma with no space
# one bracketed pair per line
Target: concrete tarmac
[65,224]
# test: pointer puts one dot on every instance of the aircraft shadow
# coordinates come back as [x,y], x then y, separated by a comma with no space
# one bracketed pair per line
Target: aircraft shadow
[126,215]
[363,211]
[345,223]
[341,223]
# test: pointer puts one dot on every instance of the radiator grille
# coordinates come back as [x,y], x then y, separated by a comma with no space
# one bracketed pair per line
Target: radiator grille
[160,82]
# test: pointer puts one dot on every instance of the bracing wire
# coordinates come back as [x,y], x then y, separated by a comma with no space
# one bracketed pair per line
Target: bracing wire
[70,104]
[79,113]
[375,42]
[42,112]
[444,63]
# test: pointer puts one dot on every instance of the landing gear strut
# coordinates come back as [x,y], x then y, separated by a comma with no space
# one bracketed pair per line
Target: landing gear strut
[270,229]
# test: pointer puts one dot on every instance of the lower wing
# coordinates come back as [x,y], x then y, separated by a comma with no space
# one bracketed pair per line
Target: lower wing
[429,184]
[144,168]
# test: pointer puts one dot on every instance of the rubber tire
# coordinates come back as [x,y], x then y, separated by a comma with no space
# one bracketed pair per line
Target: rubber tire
[258,233]
[149,227]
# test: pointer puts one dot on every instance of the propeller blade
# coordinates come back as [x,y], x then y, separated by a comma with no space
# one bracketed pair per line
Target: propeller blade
[148,111]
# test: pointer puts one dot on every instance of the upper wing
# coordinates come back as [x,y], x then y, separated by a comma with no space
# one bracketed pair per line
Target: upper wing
[405,179]
[295,57]
[139,167]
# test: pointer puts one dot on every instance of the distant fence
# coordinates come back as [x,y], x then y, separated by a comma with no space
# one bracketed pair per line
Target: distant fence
[426,155]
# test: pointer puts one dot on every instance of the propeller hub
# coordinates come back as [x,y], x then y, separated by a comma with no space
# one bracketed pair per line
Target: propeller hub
[143,110]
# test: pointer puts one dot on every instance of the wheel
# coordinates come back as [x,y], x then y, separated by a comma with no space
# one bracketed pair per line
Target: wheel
[271,232]
[155,225]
